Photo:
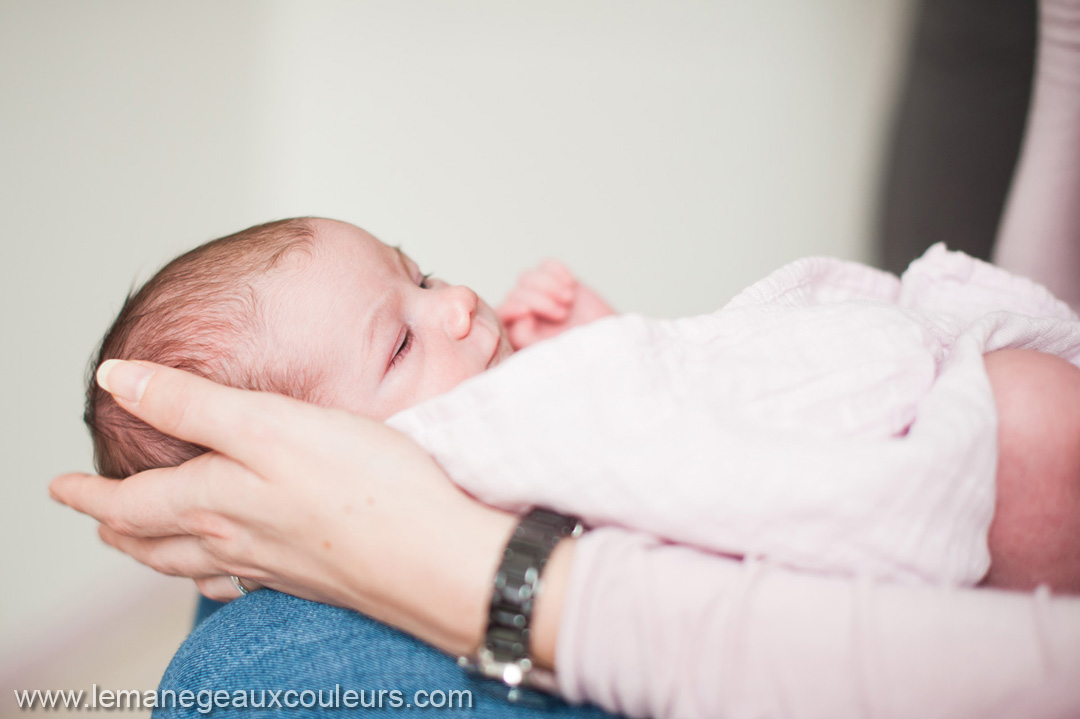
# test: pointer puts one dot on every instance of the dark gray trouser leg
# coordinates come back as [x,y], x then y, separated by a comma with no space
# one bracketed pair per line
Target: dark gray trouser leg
[958,127]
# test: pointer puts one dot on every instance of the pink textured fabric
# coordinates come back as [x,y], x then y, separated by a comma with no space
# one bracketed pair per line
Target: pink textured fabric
[831,417]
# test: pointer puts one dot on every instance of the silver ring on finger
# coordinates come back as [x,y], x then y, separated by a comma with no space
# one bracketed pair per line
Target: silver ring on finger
[239,584]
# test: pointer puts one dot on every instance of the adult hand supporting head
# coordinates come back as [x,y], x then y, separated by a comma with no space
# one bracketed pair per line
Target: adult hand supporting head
[310,501]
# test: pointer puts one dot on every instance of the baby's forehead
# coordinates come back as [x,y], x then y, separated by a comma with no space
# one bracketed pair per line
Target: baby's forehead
[340,238]
[339,255]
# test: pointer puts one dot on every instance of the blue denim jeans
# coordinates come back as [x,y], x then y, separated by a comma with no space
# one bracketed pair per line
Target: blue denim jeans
[312,655]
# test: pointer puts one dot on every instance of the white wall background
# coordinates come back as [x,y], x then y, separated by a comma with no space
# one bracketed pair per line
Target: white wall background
[670,152]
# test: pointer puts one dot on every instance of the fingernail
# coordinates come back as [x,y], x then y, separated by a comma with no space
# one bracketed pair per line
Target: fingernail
[122,379]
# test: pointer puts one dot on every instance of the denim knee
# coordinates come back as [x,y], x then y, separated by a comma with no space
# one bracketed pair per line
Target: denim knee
[312,655]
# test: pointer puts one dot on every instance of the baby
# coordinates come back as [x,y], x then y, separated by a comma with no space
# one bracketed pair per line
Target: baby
[321,311]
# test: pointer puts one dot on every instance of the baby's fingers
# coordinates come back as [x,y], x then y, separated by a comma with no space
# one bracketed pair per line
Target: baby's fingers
[523,332]
[511,310]
[551,279]
[559,271]
[541,304]
[523,303]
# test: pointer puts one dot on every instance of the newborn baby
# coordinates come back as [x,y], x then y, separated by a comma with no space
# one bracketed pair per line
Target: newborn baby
[322,311]
[318,310]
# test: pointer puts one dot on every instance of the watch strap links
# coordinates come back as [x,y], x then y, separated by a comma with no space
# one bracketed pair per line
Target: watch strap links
[504,655]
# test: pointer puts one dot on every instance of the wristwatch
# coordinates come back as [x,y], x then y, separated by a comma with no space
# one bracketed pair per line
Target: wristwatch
[504,655]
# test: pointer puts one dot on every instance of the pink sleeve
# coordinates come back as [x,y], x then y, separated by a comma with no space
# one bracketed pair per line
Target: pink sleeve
[660,630]
[1040,233]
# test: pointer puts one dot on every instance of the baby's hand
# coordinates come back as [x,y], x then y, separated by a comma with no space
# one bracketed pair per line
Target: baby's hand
[547,301]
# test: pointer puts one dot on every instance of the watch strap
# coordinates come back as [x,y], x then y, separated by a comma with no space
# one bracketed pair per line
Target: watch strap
[518,581]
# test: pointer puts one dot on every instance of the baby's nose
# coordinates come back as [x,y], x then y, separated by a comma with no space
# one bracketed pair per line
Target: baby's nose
[460,308]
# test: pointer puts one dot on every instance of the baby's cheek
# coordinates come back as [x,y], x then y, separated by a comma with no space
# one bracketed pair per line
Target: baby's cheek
[433,385]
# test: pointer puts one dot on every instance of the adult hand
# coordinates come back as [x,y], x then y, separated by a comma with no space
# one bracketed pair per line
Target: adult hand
[310,501]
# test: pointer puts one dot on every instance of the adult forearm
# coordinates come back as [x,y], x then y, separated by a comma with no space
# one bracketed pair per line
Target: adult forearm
[1040,231]
[660,630]
[444,592]
[446,598]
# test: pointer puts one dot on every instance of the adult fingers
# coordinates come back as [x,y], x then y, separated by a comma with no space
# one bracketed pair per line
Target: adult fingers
[86,493]
[181,556]
[222,588]
[157,502]
[251,427]
[120,505]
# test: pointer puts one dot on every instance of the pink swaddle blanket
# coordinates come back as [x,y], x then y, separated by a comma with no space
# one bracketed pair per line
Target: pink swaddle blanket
[830,417]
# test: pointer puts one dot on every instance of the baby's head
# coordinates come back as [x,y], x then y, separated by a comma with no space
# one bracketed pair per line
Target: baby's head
[311,308]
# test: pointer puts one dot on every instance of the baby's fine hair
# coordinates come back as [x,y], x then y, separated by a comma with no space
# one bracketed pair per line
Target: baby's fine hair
[200,313]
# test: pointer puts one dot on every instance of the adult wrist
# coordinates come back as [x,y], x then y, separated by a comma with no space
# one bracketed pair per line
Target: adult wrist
[527,588]
[439,584]
[547,614]
[461,606]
